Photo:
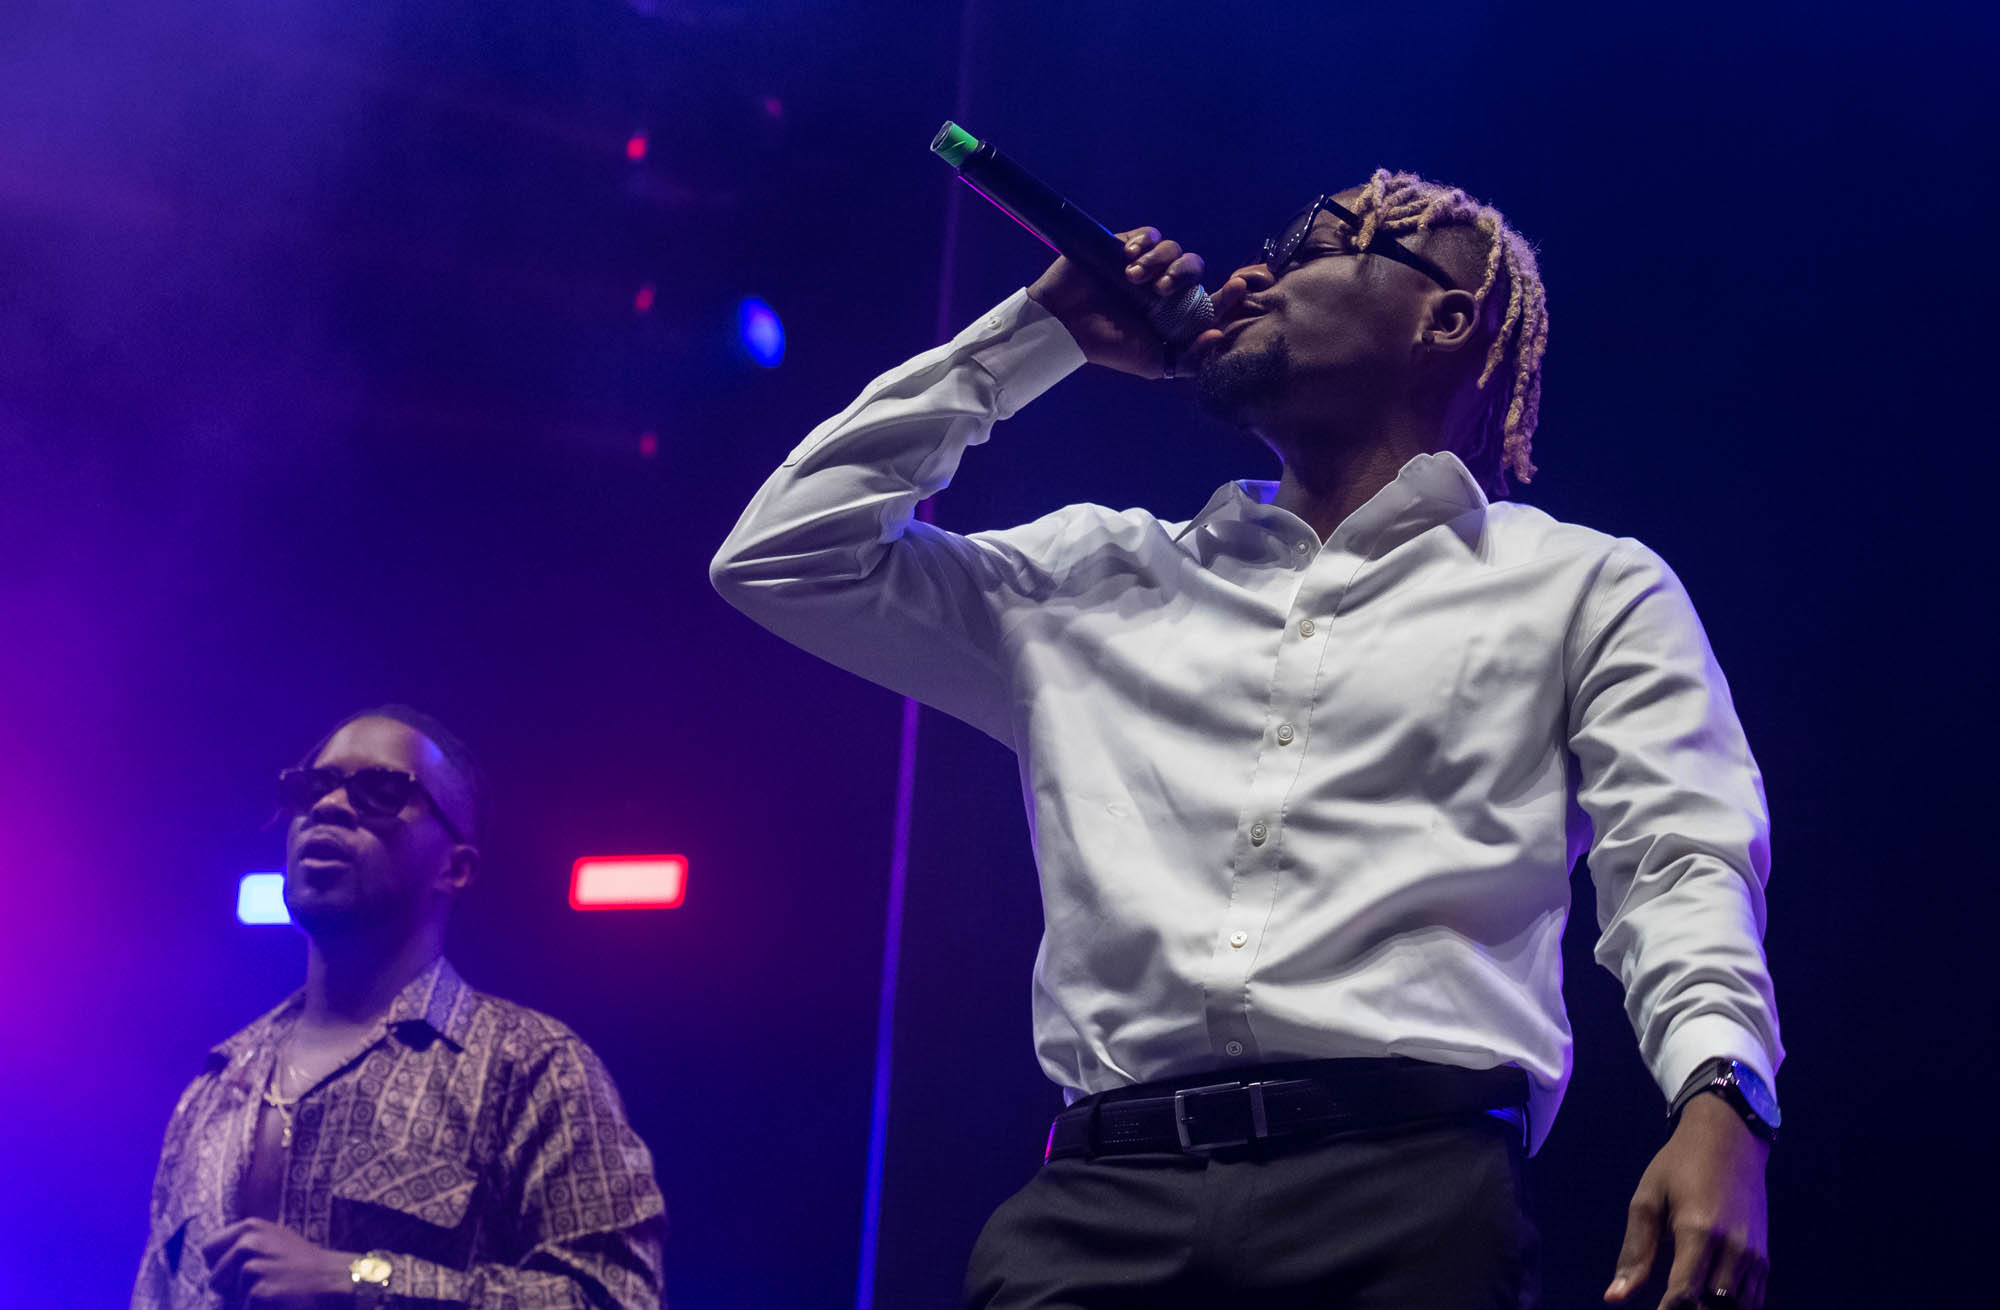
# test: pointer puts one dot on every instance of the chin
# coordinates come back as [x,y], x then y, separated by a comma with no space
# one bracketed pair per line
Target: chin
[1237,380]
[320,914]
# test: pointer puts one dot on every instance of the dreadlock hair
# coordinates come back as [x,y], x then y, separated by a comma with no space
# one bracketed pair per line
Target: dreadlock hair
[449,744]
[1510,302]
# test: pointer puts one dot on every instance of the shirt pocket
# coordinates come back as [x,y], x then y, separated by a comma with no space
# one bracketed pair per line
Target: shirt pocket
[410,1199]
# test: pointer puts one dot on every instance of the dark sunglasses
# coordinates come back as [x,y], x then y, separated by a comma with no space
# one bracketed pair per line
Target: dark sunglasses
[1281,250]
[374,792]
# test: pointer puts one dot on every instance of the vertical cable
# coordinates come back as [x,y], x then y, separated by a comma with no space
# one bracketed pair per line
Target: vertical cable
[906,776]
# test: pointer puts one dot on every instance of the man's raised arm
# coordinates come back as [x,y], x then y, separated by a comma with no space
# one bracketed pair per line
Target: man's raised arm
[830,554]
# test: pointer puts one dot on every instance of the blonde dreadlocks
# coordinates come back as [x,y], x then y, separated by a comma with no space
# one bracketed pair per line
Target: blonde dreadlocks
[1400,204]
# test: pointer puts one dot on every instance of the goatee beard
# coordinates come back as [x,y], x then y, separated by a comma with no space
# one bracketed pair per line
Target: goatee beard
[1233,383]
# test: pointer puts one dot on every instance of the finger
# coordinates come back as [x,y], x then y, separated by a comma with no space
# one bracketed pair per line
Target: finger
[1154,262]
[225,1276]
[1185,271]
[1690,1275]
[1226,297]
[1139,240]
[1738,1268]
[1752,1295]
[213,1248]
[1635,1256]
[1723,1273]
[259,1287]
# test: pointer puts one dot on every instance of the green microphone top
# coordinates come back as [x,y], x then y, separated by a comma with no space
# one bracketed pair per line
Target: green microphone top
[954,144]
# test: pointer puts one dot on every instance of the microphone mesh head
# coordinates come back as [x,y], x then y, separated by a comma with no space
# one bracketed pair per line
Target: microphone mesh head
[1182,318]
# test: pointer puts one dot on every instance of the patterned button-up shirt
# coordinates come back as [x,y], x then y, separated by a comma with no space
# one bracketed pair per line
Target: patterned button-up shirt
[480,1143]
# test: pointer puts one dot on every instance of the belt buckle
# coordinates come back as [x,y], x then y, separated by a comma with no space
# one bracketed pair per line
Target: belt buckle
[1258,1126]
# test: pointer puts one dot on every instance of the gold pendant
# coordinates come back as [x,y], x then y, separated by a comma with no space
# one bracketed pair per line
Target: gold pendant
[286,1139]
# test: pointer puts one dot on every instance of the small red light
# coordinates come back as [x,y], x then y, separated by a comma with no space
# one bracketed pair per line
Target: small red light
[635,147]
[649,445]
[773,107]
[628,882]
[642,302]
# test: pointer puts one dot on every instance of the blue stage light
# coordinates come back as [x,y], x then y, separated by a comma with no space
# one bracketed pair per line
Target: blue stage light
[763,336]
[260,898]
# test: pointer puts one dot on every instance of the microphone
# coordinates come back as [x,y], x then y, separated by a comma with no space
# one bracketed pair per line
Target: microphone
[1067,230]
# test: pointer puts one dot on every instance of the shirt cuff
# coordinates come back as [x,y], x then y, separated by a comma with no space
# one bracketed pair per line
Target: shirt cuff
[1705,1037]
[1025,348]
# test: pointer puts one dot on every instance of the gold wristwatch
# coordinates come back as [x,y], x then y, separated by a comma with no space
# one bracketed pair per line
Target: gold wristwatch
[371,1279]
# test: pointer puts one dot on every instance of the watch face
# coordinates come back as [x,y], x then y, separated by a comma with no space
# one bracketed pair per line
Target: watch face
[1755,1093]
[369,1269]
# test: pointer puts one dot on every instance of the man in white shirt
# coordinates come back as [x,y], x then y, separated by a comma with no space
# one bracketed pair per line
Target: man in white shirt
[1306,775]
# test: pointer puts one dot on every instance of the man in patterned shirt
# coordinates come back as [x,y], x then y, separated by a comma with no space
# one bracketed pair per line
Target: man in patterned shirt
[387,1135]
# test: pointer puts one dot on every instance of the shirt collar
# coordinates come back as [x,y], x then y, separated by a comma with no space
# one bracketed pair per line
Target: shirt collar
[437,998]
[1428,490]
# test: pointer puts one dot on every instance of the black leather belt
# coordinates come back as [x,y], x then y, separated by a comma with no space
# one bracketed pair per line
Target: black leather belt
[1308,1099]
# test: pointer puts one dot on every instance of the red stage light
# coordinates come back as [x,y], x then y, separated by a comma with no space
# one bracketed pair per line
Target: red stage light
[649,445]
[628,882]
[642,302]
[635,147]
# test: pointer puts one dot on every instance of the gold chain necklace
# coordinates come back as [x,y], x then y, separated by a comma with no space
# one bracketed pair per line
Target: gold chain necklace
[282,1104]
[285,1105]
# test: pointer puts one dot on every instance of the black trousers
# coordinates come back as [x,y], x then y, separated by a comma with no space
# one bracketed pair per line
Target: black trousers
[1421,1217]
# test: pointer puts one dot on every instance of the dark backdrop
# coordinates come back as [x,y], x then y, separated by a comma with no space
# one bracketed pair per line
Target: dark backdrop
[322,383]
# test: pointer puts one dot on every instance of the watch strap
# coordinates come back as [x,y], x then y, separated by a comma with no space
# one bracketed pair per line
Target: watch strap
[1722,1077]
[1705,1076]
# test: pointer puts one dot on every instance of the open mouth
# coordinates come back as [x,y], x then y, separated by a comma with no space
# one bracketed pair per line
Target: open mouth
[325,850]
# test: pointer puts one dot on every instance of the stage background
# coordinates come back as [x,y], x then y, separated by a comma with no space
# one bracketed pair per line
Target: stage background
[327,377]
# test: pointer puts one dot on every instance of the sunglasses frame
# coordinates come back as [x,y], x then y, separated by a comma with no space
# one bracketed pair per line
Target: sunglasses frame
[368,808]
[1279,253]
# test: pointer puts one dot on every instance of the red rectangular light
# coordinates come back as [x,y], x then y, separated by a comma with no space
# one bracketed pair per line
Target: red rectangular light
[628,882]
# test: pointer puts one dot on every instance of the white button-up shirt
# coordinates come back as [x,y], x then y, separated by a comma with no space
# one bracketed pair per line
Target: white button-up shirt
[1294,799]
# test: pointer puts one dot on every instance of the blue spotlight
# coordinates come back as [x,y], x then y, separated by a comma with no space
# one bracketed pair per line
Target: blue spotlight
[762,335]
[260,898]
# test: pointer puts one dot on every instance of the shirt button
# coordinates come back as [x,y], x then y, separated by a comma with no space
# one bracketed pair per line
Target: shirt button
[1285,734]
[1257,834]
[1300,547]
[1306,628]
[1233,1048]
[1239,939]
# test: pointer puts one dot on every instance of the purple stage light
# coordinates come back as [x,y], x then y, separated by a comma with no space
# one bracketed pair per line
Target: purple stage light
[260,899]
[763,336]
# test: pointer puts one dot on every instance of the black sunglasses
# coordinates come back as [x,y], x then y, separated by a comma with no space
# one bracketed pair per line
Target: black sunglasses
[1281,250]
[374,792]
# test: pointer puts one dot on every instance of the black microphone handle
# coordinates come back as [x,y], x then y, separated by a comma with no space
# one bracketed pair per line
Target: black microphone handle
[1067,230]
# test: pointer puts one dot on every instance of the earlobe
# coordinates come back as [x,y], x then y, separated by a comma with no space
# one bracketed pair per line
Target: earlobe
[463,869]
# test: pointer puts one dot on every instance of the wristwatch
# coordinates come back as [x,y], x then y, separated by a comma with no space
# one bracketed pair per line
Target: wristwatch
[371,1279]
[1741,1086]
